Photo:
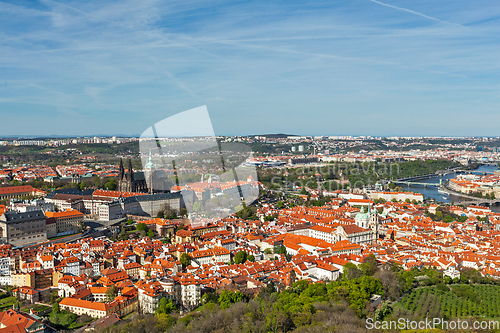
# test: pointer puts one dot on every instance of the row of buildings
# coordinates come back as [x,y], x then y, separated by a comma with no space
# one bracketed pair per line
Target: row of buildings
[109,205]
[486,185]
[318,242]
[36,226]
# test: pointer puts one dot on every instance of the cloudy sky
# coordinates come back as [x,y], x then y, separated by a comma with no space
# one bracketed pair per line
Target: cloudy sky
[357,67]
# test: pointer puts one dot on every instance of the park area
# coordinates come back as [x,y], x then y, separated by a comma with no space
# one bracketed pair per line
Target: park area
[454,301]
[60,320]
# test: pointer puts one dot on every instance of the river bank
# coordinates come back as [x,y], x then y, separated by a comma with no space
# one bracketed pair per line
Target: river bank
[432,192]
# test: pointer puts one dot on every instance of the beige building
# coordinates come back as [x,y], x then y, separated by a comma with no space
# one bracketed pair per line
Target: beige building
[211,256]
[398,196]
[19,192]
[91,309]
[23,279]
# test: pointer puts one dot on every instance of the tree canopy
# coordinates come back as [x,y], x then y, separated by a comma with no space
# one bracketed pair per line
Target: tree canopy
[185,259]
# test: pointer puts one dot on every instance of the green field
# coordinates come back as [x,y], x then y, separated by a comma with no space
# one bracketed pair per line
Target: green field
[6,302]
[459,301]
[65,320]
[37,307]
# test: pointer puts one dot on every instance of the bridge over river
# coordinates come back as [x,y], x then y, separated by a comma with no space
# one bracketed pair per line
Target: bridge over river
[407,183]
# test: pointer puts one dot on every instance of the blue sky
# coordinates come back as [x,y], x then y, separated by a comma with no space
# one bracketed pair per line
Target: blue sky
[360,67]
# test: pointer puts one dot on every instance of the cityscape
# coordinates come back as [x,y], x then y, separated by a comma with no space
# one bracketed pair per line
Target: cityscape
[249,166]
[377,228]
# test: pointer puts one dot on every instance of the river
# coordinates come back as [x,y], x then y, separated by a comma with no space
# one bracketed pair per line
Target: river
[432,191]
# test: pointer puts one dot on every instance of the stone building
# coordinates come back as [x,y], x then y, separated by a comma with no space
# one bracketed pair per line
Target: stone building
[23,228]
[128,181]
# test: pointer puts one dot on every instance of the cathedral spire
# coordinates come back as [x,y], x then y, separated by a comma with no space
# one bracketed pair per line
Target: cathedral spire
[121,171]
[130,170]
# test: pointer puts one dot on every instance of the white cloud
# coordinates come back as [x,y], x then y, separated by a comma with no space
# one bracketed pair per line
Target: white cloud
[149,59]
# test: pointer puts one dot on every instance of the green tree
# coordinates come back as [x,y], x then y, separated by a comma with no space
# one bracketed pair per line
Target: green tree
[165,306]
[111,184]
[56,308]
[150,233]
[111,293]
[369,267]
[301,285]
[251,258]
[240,257]
[268,218]
[209,297]
[53,297]
[163,322]
[83,185]
[280,249]
[383,312]
[123,234]
[351,271]
[197,207]
[185,259]
[226,298]
[141,227]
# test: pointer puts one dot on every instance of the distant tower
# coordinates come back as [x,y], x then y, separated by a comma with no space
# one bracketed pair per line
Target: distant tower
[374,222]
[130,172]
[149,170]
[487,223]
[126,178]
[121,172]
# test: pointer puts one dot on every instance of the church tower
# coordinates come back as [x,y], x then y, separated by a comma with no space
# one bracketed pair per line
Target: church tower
[121,172]
[125,178]
[149,170]
[130,176]
[374,222]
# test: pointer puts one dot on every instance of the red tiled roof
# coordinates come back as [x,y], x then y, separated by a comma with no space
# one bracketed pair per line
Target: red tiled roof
[16,189]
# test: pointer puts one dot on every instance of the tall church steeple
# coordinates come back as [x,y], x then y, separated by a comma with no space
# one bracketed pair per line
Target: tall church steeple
[130,171]
[121,172]
[374,222]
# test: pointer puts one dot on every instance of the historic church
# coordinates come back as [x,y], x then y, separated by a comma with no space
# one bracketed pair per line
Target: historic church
[128,181]
[369,220]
